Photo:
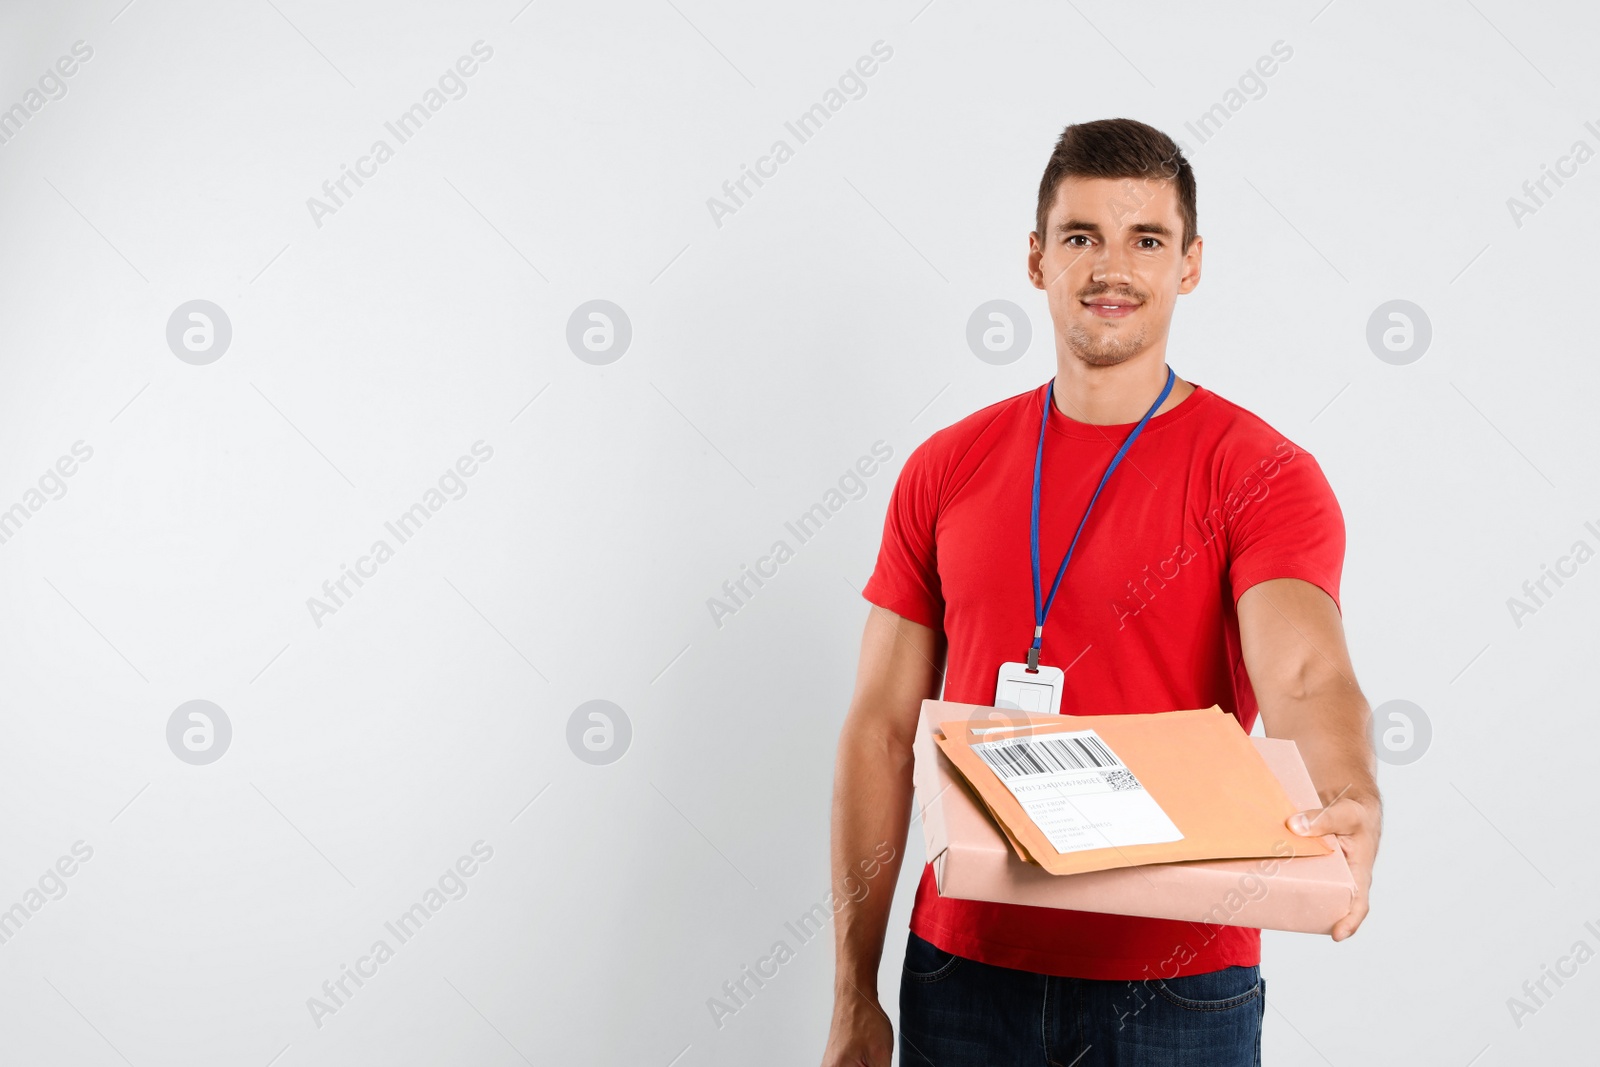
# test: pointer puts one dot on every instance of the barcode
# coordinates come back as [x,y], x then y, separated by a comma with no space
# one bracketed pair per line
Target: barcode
[1046,755]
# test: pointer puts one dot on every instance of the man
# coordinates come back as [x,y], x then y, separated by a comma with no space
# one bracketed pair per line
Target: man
[1206,572]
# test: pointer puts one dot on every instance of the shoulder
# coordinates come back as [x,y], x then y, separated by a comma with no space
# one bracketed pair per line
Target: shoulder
[1253,461]
[1244,443]
[1236,423]
[947,449]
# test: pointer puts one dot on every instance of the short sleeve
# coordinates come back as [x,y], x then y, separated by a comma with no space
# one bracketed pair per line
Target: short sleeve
[906,577]
[1285,523]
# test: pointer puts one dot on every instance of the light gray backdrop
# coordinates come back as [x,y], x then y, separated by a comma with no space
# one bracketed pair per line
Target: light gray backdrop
[749,355]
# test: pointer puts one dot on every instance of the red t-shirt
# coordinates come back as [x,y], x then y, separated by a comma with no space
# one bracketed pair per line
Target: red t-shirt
[1209,501]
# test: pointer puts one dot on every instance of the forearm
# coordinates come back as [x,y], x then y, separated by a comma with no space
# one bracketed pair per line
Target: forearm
[1294,648]
[871,814]
[1331,725]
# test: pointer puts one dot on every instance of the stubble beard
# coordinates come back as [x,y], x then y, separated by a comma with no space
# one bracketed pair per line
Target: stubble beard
[1105,351]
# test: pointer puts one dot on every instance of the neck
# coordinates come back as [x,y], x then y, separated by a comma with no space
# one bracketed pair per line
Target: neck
[1116,394]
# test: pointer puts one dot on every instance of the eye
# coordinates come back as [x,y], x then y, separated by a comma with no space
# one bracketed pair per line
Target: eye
[1075,237]
[1152,240]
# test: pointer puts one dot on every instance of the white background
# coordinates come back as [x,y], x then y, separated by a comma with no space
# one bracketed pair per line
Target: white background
[768,354]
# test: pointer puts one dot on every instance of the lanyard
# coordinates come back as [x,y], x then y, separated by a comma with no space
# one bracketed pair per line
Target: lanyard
[1039,612]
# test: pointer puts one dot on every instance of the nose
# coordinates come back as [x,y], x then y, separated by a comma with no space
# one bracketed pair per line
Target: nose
[1111,265]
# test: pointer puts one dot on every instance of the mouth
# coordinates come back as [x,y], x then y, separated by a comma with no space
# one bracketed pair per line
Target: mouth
[1111,307]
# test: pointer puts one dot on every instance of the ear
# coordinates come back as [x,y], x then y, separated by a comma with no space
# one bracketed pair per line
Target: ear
[1191,266]
[1035,261]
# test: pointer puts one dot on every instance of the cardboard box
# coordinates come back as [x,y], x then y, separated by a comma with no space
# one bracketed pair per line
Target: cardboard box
[973,860]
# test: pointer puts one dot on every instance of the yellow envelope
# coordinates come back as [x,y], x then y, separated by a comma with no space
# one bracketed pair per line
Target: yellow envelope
[1078,793]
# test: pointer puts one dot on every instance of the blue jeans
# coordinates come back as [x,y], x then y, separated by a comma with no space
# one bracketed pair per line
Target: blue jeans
[957,1012]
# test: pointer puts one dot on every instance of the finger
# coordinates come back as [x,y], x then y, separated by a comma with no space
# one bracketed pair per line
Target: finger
[1340,817]
[1351,922]
[1360,903]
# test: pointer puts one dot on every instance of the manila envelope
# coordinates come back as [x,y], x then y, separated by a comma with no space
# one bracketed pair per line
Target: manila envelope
[1198,766]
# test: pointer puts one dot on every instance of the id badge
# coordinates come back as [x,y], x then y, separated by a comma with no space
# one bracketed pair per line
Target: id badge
[1018,689]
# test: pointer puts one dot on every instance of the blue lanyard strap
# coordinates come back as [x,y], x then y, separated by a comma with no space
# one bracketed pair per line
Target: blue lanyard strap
[1042,610]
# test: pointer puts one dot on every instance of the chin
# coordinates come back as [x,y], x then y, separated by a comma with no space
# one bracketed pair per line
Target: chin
[1102,359]
[1096,353]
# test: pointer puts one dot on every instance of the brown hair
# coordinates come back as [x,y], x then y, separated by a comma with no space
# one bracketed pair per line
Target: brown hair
[1118,148]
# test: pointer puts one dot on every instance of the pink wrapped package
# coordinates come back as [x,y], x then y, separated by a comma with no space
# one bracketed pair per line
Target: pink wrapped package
[972,859]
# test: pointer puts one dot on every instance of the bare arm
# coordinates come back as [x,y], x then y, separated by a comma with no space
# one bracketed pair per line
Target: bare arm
[902,664]
[1294,650]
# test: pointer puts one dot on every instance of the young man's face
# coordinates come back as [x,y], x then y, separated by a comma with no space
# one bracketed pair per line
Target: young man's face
[1112,265]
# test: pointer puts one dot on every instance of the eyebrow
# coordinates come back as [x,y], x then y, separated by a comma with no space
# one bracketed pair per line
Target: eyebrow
[1073,225]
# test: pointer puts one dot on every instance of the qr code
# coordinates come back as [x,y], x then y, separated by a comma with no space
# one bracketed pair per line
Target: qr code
[1120,780]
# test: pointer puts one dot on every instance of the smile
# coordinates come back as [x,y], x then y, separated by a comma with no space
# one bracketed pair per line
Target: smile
[1111,311]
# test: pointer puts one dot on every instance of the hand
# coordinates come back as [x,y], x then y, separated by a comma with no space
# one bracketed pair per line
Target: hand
[861,1034]
[1357,822]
